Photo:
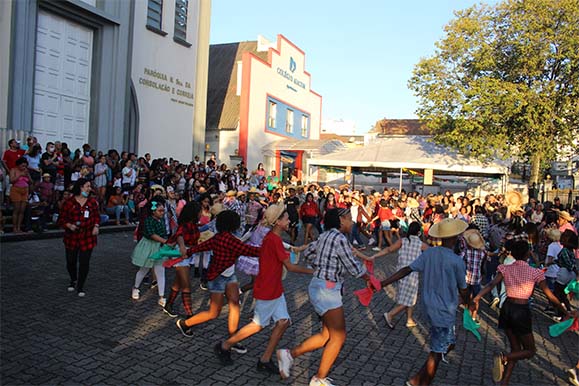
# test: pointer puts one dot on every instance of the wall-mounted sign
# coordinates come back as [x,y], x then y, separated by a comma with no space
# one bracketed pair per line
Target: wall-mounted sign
[179,91]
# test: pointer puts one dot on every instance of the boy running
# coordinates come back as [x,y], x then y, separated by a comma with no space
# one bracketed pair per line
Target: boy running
[270,303]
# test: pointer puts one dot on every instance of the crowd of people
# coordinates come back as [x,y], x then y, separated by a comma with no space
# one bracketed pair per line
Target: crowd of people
[217,220]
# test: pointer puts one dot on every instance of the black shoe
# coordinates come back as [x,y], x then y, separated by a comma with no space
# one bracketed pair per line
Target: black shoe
[153,284]
[267,367]
[223,355]
[203,285]
[184,329]
[168,309]
[238,348]
[71,286]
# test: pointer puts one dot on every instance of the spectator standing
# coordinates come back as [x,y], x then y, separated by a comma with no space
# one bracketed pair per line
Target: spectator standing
[129,176]
[13,153]
[33,158]
[79,216]
[20,181]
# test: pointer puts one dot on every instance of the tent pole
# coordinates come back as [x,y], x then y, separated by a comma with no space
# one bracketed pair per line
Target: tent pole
[400,185]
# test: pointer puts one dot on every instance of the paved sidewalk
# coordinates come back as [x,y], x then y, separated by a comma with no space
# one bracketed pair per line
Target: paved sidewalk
[49,336]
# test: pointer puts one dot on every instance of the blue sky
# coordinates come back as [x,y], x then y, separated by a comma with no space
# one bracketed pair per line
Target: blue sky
[360,57]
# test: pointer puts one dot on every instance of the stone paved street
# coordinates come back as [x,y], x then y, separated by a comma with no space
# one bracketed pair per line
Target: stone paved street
[49,336]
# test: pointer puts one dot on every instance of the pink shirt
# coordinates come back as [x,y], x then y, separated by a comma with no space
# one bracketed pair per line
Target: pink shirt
[520,279]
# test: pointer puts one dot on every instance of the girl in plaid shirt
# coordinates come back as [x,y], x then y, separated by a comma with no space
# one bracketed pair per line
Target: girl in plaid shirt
[515,317]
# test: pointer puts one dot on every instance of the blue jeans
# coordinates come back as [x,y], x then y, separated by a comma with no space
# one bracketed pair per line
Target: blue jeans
[355,235]
[116,211]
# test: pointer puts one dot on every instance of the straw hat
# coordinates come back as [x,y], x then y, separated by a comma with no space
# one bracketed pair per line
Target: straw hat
[412,203]
[449,227]
[46,175]
[514,200]
[216,209]
[252,190]
[553,234]
[240,193]
[157,187]
[272,214]
[564,215]
[231,193]
[206,235]
[474,239]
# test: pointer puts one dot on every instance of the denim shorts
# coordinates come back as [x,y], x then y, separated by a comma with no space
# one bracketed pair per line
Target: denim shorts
[385,225]
[218,284]
[441,338]
[325,295]
[266,310]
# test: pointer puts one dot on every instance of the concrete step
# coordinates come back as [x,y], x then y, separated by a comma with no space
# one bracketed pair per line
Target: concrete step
[58,233]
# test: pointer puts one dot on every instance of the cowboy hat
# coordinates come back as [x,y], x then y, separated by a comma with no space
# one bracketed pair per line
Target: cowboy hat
[553,234]
[449,227]
[474,239]
[231,193]
[216,209]
[157,187]
[564,215]
[240,193]
[272,214]
[412,203]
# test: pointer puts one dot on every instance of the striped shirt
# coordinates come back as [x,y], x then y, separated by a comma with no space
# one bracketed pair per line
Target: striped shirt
[331,256]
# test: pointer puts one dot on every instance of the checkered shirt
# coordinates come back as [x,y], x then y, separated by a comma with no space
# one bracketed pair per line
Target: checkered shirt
[520,279]
[226,249]
[473,259]
[190,233]
[73,213]
[482,223]
[154,227]
[331,256]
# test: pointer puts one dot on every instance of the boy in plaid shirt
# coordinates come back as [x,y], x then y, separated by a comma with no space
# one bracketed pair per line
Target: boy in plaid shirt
[221,274]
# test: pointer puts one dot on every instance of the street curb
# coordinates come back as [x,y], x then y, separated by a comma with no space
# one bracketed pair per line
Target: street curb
[59,233]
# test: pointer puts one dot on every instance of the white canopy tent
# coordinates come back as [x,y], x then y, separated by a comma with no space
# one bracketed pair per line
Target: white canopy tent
[412,152]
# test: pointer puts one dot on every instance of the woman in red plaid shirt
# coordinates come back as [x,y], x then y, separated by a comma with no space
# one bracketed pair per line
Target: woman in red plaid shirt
[221,274]
[515,317]
[79,216]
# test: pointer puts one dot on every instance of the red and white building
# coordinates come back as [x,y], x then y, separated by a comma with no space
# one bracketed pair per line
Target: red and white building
[261,107]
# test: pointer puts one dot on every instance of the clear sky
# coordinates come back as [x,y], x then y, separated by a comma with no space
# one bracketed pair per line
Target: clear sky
[360,54]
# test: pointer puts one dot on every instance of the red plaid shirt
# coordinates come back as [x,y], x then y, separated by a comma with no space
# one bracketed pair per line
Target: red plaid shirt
[520,279]
[73,213]
[226,249]
[190,233]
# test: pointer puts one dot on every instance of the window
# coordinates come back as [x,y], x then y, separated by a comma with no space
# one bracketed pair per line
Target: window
[272,114]
[304,125]
[181,19]
[289,121]
[154,14]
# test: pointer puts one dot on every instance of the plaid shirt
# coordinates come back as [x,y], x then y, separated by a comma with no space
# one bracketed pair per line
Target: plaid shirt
[226,249]
[190,233]
[520,279]
[473,259]
[332,256]
[566,259]
[154,227]
[482,223]
[73,213]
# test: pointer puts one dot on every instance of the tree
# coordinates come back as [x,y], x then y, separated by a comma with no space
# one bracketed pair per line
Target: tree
[504,81]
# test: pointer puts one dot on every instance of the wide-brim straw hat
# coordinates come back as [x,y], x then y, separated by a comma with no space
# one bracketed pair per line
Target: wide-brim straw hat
[553,234]
[412,203]
[231,193]
[474,239]
[205,235]
[514,201]
[240,193]
[272,214]
[564,215]
[216,209]
[449,227]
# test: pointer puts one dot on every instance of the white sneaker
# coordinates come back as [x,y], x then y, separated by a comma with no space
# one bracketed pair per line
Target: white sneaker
[315,381]
[284,362]
[355,242]
[371,241]
[162,301]
[376,249]
[572,373]
[136,294]
[81,294]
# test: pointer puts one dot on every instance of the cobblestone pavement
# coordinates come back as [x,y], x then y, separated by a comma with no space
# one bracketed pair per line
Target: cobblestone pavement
[49,336]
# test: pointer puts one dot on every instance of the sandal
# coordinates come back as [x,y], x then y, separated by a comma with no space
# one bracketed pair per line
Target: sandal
[411,324]
[498,367]
[388,321]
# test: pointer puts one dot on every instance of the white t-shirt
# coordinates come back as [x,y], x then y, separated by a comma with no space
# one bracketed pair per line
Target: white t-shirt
[552,252]
[129,179]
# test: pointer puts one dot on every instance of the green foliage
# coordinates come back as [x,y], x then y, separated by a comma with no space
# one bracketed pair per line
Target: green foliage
[504,81]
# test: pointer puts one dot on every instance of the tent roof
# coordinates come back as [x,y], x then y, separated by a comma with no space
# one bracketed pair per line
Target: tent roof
[313,146]
[409,152]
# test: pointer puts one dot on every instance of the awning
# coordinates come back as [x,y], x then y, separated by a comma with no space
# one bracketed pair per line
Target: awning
[414,152]
[315,147]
